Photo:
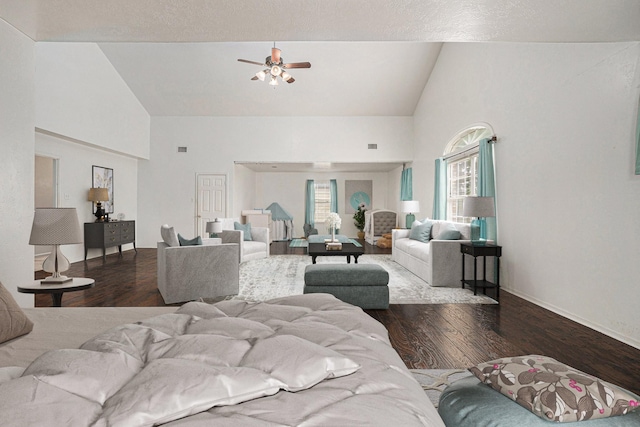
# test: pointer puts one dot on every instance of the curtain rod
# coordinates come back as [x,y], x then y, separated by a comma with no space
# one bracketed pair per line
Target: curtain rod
[491,140]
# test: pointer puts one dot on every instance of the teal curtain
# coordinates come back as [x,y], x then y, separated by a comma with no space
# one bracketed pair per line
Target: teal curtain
[440,190]
[333,191]
[638,142]
[310,203]
[487,188]
[406,184]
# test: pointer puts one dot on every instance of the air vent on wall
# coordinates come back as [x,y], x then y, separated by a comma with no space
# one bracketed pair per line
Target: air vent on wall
[372,146]
[182,149]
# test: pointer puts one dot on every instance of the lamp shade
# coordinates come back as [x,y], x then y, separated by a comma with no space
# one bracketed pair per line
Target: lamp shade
[479,207]
[411,206]
[214,227]
[98,195]
[55,226]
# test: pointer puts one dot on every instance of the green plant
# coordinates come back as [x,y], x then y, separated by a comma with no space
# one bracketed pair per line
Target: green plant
[358,218]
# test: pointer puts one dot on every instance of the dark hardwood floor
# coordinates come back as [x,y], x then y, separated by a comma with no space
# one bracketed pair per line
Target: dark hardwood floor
[425,335]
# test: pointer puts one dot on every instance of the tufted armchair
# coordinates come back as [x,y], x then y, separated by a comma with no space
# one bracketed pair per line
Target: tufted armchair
[378,222]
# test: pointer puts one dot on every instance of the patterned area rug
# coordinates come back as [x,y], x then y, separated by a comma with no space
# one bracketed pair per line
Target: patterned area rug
[283,275]
[434,381]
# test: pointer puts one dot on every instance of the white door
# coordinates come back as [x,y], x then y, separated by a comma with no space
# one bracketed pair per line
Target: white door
[211,200]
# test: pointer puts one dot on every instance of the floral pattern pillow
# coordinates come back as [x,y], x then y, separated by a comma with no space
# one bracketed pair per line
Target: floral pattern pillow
[553,390]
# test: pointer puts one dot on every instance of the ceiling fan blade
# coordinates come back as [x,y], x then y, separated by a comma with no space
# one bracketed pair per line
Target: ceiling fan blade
[254,78]
[251,62]
[290,80]
[297,65]
[275,55]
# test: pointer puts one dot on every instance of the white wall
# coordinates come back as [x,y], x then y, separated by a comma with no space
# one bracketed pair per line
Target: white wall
[75,163]
[167,179]
[288,189]
[17,120]
[81,96]
[568,200]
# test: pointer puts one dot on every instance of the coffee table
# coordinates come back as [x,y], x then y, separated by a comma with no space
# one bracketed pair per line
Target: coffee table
[348,250]
[57,289]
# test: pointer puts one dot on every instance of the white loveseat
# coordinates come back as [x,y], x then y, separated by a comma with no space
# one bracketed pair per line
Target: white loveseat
[256,248]
[437,262]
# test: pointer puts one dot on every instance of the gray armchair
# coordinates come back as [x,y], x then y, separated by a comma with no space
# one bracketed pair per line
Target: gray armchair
[256,248]
[187,273]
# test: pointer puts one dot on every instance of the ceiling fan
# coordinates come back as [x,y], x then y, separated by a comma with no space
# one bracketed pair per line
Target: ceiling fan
[275,68]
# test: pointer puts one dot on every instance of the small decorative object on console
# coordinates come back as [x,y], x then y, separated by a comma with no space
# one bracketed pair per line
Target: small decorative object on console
[334,246]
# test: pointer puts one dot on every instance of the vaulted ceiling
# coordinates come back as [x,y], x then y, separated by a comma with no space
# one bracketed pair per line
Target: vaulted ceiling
[369,57]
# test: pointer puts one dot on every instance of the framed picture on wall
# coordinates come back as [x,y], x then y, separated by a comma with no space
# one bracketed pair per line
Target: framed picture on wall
[357,193]
[103,178]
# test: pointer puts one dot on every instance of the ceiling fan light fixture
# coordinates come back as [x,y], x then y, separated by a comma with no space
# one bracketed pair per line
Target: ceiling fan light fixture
[285,76]
[261,75]
[274,81]
[275,70]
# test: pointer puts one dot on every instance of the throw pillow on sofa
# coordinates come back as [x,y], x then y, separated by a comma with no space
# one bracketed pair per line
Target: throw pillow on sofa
[448,231]
[421,231]
[196,241]
[169,235]
[13,320]
[244,227]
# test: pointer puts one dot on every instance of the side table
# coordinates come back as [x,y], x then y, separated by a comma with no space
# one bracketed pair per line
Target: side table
[56,290]
[484,251]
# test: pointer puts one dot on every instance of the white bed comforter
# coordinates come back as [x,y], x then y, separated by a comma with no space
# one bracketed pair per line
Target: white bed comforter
[305,360]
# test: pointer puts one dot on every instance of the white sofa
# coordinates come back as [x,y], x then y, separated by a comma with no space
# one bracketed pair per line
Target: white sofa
[438,262]
[256,248]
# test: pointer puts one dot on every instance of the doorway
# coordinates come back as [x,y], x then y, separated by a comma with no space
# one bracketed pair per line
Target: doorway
[211,200]
[45,196]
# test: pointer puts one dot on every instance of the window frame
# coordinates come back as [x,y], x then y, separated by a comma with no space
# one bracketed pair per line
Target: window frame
[463,147]
[322,204]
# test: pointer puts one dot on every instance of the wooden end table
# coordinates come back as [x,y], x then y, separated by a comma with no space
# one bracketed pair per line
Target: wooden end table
[57,289]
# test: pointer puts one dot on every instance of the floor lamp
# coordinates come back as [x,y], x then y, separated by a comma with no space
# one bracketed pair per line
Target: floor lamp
[55,226]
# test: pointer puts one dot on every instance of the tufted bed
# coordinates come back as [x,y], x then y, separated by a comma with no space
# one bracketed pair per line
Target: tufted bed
[307,360]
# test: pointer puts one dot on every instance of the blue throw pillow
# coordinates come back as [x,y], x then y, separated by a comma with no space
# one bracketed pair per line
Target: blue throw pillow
[244,227]
[421,232]
[196,241]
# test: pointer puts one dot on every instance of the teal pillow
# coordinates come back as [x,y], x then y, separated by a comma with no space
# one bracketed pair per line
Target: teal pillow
[196,241]
[421,232]
[244,227]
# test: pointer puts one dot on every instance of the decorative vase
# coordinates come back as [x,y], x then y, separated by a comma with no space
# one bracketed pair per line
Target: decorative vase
[333,234]
[361,235]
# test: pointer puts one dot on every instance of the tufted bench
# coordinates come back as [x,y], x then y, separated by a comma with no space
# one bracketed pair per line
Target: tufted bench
[364,285]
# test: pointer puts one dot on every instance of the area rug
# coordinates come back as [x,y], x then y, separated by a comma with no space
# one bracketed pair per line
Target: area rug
[283,275]
[434,381]
[302,243]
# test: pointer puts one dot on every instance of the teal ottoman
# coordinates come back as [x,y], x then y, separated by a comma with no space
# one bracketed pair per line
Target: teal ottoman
[364,285]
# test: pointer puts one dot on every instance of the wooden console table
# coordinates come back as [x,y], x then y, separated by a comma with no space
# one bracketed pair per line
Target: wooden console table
[107,234]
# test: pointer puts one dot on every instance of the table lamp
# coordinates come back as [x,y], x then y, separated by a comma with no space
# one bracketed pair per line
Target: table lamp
[55,226]
[98,195]
[411,207]
[478,207]
[214,227]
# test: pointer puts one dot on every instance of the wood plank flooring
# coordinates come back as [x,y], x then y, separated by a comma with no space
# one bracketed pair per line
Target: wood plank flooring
[425,335]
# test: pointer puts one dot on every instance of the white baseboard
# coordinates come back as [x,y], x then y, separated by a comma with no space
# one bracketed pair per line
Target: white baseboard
[602,329]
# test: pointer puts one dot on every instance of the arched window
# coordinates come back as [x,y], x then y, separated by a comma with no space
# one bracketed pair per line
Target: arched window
[461,155]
